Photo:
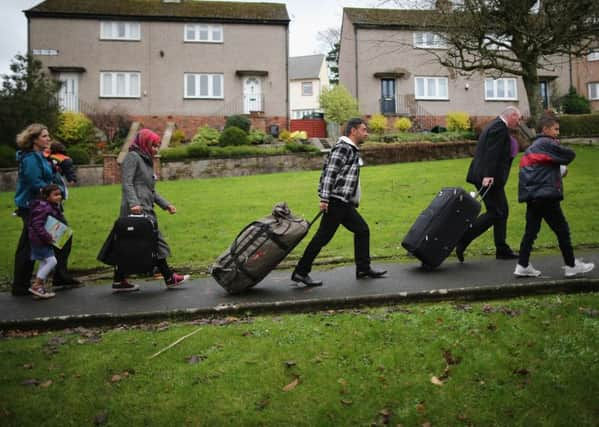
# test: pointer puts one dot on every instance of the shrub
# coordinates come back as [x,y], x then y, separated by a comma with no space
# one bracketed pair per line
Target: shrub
[198,150]
[457,120]
[295,147]
[240,122]
[233,136]
[573,103]
[7,157]
[402,124]
[256,136]
[79,155]
[174,154]
[177,137]
[285,135]
[207,135]
[579,125]
[377,124]
[268,139]
[74,128]
[298,135]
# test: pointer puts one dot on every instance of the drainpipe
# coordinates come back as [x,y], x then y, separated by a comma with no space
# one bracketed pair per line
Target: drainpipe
[356,62]
[287,122]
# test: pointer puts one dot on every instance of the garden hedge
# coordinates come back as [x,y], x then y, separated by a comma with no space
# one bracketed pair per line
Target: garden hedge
[579,125]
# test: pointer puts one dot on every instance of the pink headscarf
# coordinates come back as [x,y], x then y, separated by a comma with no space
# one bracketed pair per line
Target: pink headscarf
[144,141]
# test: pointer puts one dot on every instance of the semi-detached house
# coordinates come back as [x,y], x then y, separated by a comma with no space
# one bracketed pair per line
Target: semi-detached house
[191,62]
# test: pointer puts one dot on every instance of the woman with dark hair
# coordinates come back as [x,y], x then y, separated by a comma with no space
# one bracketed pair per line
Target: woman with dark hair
[139,197]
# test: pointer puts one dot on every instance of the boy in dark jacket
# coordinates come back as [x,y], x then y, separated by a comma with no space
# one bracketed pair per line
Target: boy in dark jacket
[541,170]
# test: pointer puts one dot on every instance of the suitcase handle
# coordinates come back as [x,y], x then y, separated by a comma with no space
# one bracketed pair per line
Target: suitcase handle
[483,194]
[318,215]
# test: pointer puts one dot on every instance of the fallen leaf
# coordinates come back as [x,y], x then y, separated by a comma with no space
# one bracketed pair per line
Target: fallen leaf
[342,382]
[346,402]
[101,418]
[436,381]
[449,359]
[247,334]
[290,363]
[521,371]
[31,381]
[46,384]
[293,384]
[263,404]
[115,378]
[192,360]
[421,408]
[426,424]
[28,366]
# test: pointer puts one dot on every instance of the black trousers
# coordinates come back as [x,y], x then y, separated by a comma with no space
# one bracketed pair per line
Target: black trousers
[495,216]
[339,213]
[161,264]
[23,268]
[551,212]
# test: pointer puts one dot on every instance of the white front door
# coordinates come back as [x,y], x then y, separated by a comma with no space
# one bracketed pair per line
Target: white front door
[68,95]
[252,94]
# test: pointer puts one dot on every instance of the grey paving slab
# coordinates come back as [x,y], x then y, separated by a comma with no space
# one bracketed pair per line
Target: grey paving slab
[478,278]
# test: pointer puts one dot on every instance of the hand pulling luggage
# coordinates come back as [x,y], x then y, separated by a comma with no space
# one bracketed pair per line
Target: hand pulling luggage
[131,245]
[259,248]
[439,227]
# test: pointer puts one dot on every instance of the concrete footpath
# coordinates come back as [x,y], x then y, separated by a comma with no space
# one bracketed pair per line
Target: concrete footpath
[484,278]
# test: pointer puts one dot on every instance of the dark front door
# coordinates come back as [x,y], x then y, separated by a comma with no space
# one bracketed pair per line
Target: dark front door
[544,85]
[388,96]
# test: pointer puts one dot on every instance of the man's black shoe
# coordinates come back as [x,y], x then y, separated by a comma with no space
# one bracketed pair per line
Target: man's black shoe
[507,254]
[305,279]
[374,274]
[18,292]
[69,283]
[459,252]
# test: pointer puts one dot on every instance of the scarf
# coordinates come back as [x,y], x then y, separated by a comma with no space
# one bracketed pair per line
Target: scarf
[143,142]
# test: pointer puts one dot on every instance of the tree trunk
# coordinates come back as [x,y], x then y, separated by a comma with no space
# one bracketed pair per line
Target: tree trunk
[530,78]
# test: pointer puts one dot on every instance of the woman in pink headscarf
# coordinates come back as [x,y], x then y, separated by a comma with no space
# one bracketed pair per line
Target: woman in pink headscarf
[138,197]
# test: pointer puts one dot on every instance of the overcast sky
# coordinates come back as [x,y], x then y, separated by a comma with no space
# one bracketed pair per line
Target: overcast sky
[307,18]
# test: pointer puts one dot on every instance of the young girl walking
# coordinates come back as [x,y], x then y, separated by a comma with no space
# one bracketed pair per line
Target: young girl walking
[39,238]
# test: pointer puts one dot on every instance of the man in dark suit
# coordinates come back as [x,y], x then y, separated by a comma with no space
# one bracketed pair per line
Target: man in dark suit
[491,168]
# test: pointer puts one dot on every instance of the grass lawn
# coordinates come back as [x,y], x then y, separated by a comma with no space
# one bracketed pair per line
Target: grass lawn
[212,211]
[524,362]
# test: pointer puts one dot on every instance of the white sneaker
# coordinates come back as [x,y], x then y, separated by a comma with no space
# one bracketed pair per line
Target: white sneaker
[528,271]
[579,268]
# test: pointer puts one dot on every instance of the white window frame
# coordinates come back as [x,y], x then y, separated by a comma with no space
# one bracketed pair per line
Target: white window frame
[498,82]
[199,28]
[435,95]
[428,40]
[45,52]
[211,78]
[109,30]
[593,56]
[594,85]
[132,86]
[305,86]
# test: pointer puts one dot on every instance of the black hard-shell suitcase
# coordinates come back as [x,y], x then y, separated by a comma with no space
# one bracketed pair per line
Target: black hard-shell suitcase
[259,248]
[131,245]
[439,227]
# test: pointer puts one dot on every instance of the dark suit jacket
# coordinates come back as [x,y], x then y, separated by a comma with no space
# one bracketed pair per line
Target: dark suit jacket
[492,156]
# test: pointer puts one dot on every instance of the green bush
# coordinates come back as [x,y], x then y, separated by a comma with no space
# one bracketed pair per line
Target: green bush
[257,136]
[79,155]
[174,154]
[177,138]
[579,125]
[285,135]
[268,139]
[233,136]
[240,122]
[402,124]
[296,147]
[457,120]
[198,150]
[206,135]
[74,128]
[377,124]
[7,157]
[573,103]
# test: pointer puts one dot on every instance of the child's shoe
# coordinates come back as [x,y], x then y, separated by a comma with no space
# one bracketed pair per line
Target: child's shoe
[176,280]
[528,271]
[124,286]
[41,292]
[579,268]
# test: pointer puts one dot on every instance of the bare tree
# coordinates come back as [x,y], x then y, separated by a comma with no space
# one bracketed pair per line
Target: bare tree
[331,39]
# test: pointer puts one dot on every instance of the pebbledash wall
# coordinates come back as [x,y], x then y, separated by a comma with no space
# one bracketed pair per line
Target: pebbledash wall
[109,172]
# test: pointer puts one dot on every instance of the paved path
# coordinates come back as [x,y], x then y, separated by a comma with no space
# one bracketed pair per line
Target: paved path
[475,279]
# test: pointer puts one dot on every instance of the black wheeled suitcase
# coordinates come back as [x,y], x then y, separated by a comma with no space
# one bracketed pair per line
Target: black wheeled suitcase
[258,249]
[439,227]
[131,245]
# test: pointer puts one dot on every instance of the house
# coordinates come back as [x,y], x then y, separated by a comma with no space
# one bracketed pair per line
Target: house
[586,78]
[308,76]
[387,62]
[191,62]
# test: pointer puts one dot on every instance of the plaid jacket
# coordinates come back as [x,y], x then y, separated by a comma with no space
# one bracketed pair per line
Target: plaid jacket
[340,173]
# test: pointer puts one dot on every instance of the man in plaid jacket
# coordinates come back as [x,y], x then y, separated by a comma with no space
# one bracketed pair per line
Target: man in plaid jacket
[339,191]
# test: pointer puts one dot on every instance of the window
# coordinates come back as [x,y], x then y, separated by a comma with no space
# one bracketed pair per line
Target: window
[429,40]
[120,84]
[495,42]
[119,30]
[594,91]
[501,90]
[307,89]
[203,33]
[593,56]
[45,52]
[431,88]
[203,85]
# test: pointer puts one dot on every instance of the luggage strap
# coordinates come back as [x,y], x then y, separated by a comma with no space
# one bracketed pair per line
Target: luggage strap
[483,194]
